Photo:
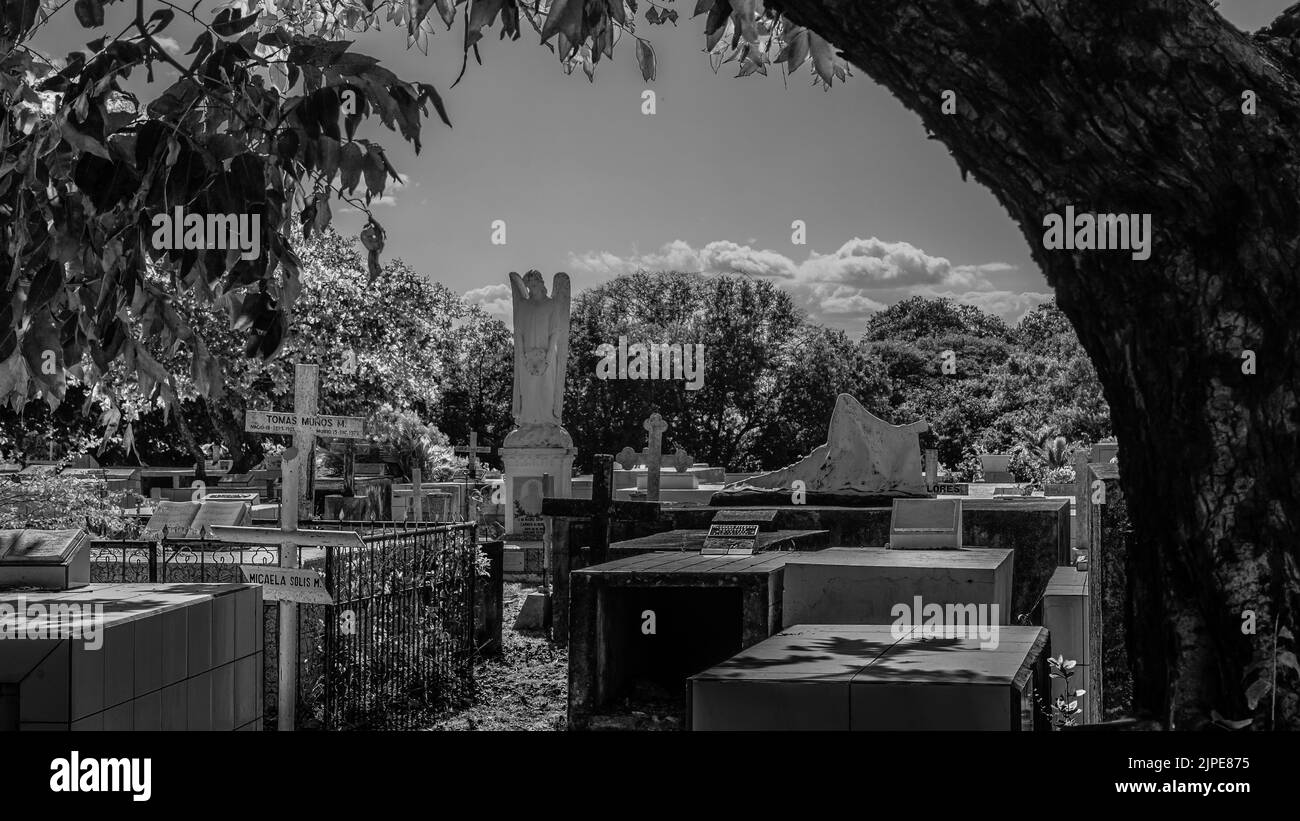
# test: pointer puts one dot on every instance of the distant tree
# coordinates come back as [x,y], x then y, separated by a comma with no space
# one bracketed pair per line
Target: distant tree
[743,325]
[478,383]
[920,317]
[369,354]
[816,366]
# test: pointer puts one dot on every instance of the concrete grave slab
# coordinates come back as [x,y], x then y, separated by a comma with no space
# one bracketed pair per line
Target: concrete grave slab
[861,585]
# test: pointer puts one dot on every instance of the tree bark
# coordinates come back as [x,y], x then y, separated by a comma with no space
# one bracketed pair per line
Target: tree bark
[1136,107]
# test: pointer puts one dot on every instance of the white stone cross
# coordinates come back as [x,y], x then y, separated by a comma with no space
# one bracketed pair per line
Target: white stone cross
[305,423]
[288,537]
[656,426]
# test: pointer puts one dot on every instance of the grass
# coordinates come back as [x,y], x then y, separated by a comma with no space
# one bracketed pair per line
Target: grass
[526,688]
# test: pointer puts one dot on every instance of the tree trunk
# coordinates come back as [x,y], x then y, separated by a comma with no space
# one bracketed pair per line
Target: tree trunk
[1136,107]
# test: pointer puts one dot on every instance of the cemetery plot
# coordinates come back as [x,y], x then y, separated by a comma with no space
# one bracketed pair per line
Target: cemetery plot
[859,677]
[1065,615]
[700,599]
[861,585]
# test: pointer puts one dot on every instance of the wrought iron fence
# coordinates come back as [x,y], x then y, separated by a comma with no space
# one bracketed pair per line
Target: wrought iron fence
[394,648]
[400,643]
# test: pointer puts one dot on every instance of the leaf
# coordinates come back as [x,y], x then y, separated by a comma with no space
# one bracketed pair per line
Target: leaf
[823,55]
[45,286]
[44,355]
[795,50]
[374,170]
[13,381]
[1287,659]
[351,160]
[90,13]
[564,18]
[163,16]
[1229,723]
[746,12]
[428,92]
[447,10]
[645,57]
[702,6]
[230,22]
[1256,691]
[84,143]
[481,14]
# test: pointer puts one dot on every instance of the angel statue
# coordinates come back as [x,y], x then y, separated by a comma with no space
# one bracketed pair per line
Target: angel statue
[541,348]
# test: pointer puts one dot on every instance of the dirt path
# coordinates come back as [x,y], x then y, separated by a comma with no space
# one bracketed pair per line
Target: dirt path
[525,689]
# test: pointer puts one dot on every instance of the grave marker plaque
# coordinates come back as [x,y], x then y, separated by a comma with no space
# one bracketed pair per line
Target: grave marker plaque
[730,540]
[925,524]
[171,519]
[764,518]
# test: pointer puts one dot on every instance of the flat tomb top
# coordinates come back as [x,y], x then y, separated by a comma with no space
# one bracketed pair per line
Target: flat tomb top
[688,563]
[121,603]
[967,557]
[1067,581]
[693,540]
[869,654]
[968,503]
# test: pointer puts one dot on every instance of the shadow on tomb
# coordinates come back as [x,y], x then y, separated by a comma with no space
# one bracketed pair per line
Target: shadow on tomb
[865,462]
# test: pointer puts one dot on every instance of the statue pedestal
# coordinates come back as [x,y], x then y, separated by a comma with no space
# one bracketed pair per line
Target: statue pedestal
[524,468]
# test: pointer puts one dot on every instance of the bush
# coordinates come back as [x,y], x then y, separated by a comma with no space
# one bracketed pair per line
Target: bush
[59,502]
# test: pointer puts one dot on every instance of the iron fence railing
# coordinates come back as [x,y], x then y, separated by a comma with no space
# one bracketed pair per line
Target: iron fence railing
[394,648]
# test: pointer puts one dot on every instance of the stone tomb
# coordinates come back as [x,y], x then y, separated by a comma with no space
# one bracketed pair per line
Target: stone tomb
[1065,615]
[862,585]
[860,677]
[189,520]
[640,625]
[1036,529]
[44,558]
[162,657]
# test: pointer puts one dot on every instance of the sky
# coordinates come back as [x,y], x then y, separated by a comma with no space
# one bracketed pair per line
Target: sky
[712,181]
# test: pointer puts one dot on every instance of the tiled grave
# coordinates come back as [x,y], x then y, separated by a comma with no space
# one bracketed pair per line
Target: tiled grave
[171,657]
[861,585]
[859,677]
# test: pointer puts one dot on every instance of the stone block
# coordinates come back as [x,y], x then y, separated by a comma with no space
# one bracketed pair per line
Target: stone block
[860,677]
[861,585]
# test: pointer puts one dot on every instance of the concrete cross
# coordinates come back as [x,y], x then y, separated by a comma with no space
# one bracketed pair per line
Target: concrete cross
[471,475]
[600,509]
[288,537]
[305,423]
[656,426]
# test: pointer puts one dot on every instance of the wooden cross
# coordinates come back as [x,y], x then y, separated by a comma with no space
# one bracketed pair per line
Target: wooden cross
[288,537]
[656,426]
[601,509]
[473,449]
[305,423]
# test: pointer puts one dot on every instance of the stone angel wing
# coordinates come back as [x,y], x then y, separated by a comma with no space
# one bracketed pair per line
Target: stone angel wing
[560,298]
[519,295]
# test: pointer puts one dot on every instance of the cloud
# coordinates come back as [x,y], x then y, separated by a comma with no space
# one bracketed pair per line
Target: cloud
[495,299]
[849,284]
[169,44]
